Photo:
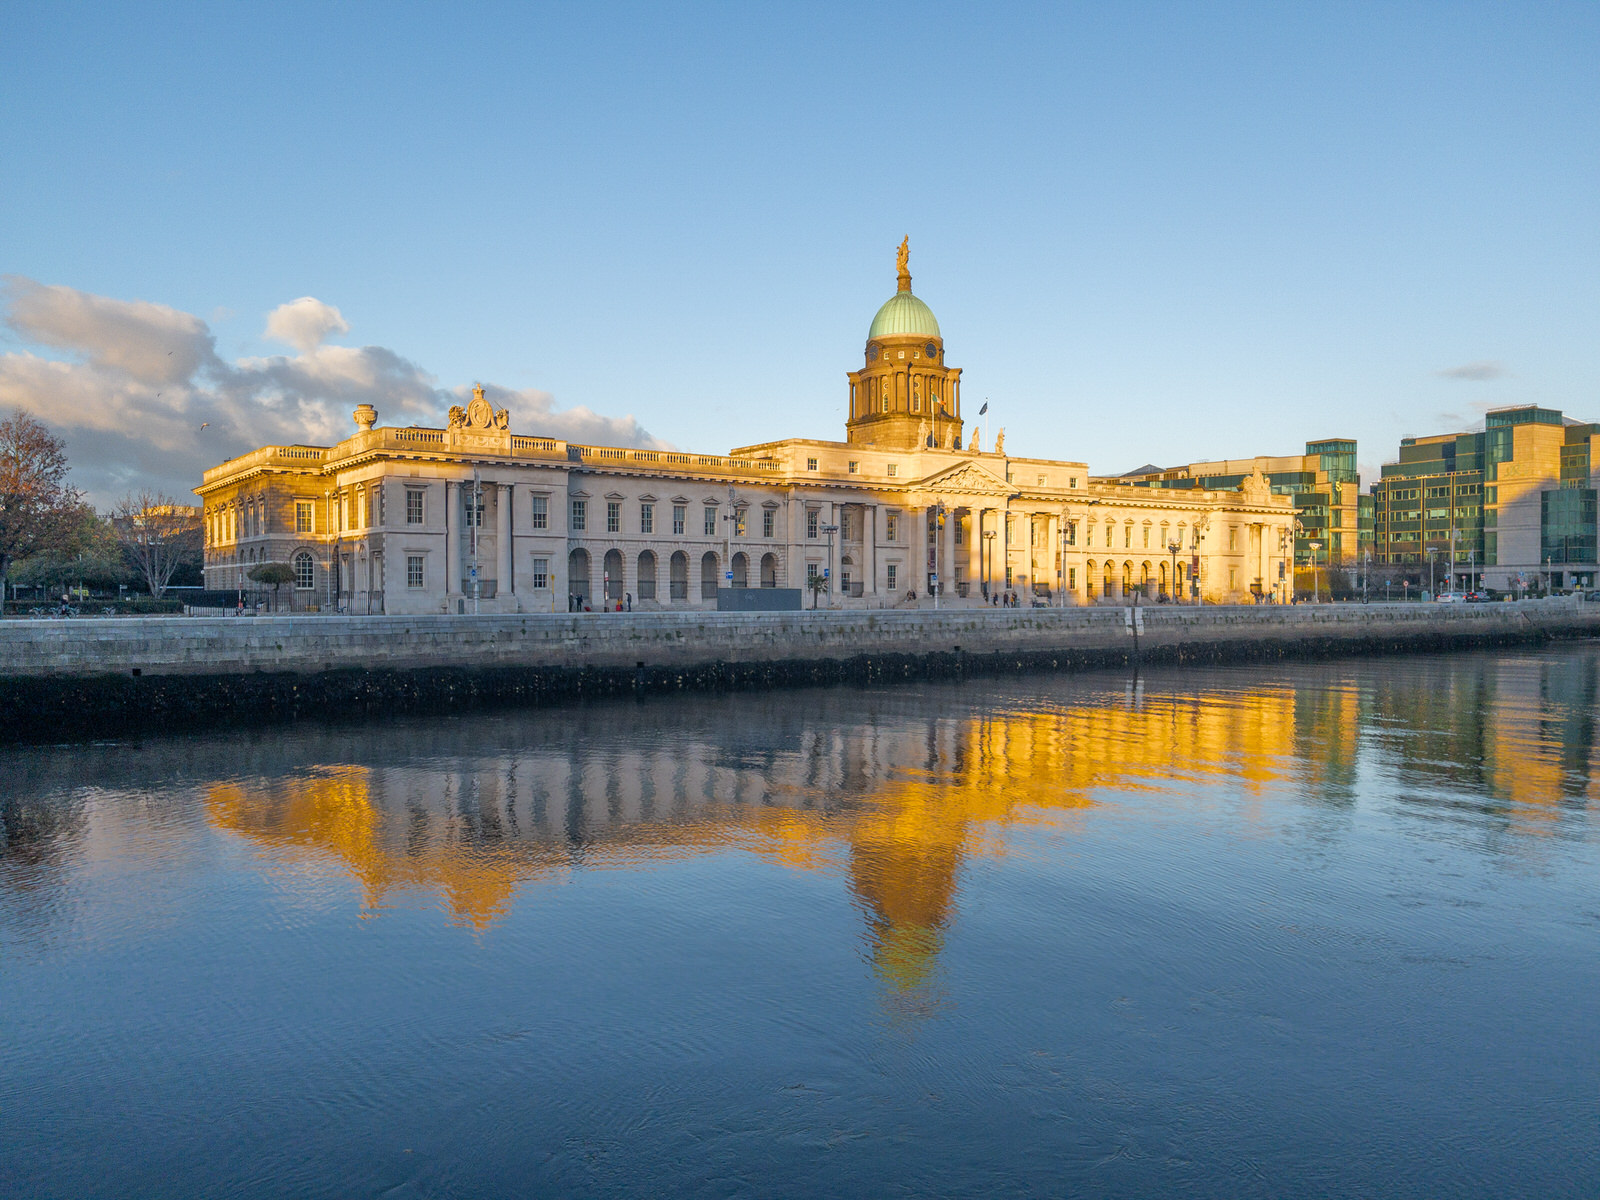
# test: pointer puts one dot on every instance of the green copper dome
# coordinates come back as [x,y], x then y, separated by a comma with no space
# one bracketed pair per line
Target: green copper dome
[903,313]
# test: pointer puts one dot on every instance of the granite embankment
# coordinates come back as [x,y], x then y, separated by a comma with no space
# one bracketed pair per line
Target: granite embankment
[65,679]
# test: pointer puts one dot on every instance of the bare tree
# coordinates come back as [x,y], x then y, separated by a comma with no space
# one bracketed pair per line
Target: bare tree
[36,503]
[158,534]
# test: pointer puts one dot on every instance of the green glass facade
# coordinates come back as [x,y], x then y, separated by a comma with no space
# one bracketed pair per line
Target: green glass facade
[1443,492]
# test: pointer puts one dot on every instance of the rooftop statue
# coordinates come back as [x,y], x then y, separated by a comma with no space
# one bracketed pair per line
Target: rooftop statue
[902,259]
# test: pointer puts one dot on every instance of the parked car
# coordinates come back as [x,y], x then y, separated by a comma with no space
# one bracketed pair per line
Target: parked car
[1450,597]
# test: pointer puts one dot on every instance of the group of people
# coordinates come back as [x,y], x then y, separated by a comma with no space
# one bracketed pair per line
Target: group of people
[1005,600]
[577,603]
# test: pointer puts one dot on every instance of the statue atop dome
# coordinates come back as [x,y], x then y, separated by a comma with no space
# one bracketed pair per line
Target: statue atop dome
[902,260]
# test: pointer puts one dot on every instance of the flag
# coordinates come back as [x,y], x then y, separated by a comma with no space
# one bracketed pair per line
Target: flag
[984,409]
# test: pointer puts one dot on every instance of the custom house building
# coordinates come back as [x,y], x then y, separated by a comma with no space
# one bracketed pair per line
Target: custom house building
[475,517]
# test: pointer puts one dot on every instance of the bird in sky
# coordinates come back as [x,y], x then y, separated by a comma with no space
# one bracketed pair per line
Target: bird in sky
[205,424]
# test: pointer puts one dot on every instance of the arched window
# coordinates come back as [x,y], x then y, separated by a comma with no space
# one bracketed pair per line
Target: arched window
[708,576]
[647,576]
[741,570]
[305,571]
[769,570]
[679,568]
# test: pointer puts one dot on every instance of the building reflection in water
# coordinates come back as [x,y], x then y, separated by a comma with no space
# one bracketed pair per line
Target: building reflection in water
[891,792]
[894,794]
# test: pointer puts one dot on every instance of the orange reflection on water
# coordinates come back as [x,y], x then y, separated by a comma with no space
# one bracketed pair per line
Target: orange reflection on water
[894,805]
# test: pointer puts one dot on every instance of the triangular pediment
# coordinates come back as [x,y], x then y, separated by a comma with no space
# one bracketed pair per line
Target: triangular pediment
[967,478]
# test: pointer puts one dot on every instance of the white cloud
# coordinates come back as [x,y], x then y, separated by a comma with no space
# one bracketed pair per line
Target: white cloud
[137,381]
[1475,372]
[305,323]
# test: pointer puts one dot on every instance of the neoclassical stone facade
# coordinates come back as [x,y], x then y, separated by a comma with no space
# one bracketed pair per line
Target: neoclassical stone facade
[474,517]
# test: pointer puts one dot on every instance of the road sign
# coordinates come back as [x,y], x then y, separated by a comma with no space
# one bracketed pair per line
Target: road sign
[825,571]
[728,575]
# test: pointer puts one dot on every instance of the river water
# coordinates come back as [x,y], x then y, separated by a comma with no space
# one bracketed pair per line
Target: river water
[1317,930]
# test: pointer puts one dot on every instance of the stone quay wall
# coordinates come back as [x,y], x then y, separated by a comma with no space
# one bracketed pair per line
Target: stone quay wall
[88,677]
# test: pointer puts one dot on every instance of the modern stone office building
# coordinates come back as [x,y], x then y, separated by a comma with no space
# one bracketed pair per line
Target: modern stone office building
[1504,507]
[476,517]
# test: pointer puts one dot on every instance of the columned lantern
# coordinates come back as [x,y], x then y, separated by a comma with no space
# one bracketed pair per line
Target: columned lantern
[905,397]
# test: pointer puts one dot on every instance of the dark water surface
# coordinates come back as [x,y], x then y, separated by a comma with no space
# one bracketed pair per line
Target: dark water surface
[1323,930]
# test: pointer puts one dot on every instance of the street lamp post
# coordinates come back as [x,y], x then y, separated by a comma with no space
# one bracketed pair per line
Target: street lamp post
[1366,579]
[938,538]
[1316,582]
[988,562]
[1061,560]
[1172,578]
[827,571]
[1472,570]
[1433,553]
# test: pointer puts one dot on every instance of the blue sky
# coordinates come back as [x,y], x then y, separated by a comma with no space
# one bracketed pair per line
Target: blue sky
[1150,232]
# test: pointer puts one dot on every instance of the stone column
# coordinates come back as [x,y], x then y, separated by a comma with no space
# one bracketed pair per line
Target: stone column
[452,538]
[920,559]
[947,568]
[975,553]
[502,539]
[869,550]
[794,564]
[1058,559]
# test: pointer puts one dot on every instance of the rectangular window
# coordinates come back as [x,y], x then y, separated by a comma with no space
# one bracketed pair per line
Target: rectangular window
[1233,539]
[1072,482]
[738,522]
[413,506]
[1127,537]
[1233,579]
[474,509]
[414,578]
[811,522]
[889,574]
[613,516]
[647,518]
[680,519]
[541,512]
[541,574]
[813,570]
[894,469]
[1041,480]
[855,468]
[1072,533]
[302,516]
[710,525]
[811,464]
[1072,579]
[767,521]
[891,523]
[580,514]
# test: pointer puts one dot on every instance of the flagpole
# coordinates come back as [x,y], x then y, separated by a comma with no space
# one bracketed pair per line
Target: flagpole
[985,415]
